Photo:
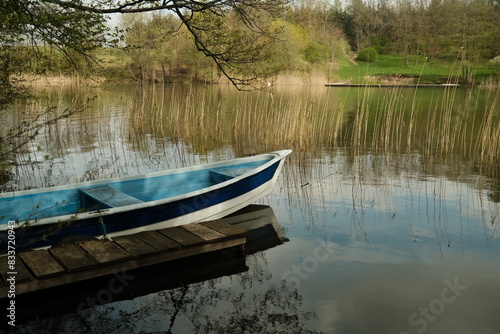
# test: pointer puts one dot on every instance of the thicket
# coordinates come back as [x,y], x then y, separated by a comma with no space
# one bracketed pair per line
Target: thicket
[159,48]
[432,28]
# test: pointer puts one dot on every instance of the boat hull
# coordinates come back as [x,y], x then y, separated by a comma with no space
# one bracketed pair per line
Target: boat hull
[213,203]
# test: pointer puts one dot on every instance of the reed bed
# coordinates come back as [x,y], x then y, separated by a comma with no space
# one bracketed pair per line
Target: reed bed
[446,128]
[452,128]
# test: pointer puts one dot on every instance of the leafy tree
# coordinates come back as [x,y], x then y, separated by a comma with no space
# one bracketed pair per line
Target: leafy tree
[149,41]
[319,41]
[28,28]
[232,33]
[289,50]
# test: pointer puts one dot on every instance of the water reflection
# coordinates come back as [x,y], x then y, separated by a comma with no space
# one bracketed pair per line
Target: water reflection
[388,194]
[204,294]
[410,202]
[130,129]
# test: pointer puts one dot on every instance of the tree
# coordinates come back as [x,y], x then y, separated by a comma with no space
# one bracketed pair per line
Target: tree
[366,21]
[368,54]
[233,33]
[28,28]
[150,44]
[345,19]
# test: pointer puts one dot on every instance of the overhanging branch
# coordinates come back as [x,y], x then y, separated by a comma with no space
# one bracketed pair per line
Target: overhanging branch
[232,33]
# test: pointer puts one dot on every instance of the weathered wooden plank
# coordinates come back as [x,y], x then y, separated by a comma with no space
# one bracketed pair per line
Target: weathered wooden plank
[23,274]
[157,240]
[41,263]
[82,260]
[72,257]
[104,251]
[181,236]
[203,232]
[133,245]
[204,248]
[224,228]
[120,267]
[19,271]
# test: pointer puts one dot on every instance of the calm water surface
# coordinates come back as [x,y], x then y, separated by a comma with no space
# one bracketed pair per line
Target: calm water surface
[401,237]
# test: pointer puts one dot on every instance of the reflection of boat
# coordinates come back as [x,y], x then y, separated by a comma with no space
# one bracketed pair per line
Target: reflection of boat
[133,204]
[263,229]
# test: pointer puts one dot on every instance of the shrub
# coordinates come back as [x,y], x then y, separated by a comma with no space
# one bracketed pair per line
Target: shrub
[368,54]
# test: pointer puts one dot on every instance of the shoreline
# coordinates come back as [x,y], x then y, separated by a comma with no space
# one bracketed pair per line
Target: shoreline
[285,79]
[385,85]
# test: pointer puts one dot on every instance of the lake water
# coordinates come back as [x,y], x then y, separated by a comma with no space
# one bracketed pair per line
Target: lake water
[390,205]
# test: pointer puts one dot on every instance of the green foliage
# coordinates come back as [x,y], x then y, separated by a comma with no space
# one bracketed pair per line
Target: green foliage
[36,23]
[316,52]
[425,71]
[368,54]
[233,34]
[240,39]
[288,52]
[380,44]
[436,28]
[298,47]
[40,37]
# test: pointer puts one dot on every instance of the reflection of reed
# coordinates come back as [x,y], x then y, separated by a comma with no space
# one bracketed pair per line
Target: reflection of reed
[451,128]
[366,136]
[249,123]
[377,133]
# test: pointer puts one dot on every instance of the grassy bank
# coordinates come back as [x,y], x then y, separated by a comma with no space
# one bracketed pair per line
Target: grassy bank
[116,66]
[390,68]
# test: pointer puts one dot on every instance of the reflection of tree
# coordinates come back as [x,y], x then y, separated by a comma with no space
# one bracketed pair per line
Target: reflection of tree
[494,196]
[271,311]
[243,303]
[249,302]
[18,136]
[4,173]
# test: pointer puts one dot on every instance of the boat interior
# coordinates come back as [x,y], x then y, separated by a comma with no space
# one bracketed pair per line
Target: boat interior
[73,200]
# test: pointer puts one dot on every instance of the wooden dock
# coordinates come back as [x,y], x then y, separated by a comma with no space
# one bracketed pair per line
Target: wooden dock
[391,85]
[76,262]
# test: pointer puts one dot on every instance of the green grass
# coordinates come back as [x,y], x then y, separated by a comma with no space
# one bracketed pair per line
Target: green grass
[435,71]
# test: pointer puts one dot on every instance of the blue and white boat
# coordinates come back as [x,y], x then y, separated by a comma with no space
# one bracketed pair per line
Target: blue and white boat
[112,207]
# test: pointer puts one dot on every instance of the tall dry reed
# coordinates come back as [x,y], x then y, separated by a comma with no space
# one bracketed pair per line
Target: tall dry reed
[451,126]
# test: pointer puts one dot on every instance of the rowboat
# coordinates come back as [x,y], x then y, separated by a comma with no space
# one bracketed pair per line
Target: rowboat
[111,207]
